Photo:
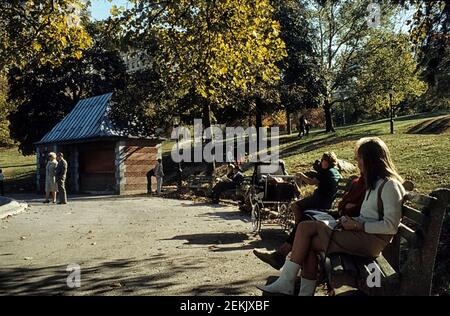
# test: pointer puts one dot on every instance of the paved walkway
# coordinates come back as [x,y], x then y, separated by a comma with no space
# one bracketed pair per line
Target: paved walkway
[132,246]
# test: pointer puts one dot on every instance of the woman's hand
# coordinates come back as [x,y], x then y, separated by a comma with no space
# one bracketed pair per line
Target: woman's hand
[349,223]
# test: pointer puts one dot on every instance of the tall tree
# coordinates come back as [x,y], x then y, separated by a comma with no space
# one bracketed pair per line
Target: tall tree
[41,31]
[300,83]
[210,47]
[340,29]
[44,94]
[430,33]
[385,72]
[5,108]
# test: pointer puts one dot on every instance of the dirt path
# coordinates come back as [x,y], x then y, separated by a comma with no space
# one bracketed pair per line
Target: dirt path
[133,246]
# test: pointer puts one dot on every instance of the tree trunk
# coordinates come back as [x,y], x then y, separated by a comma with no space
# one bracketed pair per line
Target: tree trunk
[258,122]
[206,119]
[328,119]
[288,119]
[391,113]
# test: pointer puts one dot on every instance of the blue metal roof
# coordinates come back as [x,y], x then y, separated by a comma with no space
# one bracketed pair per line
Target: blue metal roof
[88,119]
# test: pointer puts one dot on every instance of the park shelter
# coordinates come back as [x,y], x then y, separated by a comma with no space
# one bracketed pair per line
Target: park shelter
[101,159]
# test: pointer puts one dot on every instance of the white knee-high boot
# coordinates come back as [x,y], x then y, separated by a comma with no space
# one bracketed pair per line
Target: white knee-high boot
[285,284]
[307,287]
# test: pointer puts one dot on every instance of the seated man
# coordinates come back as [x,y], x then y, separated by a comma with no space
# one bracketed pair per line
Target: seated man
[227,183]
[326,178]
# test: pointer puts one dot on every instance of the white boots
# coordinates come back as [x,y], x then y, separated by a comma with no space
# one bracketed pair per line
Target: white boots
[307,287]
[285,284]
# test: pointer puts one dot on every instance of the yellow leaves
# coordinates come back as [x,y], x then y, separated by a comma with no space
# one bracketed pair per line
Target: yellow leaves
[78,54]
[114,11]
[223,70]
[230,53]
[60,34]
[36,46]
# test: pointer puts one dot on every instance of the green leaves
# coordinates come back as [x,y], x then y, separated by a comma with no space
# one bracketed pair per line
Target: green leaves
[46,31]
[213,46]
[387,66]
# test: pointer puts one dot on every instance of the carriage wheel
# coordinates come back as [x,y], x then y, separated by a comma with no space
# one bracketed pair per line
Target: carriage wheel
[256,218]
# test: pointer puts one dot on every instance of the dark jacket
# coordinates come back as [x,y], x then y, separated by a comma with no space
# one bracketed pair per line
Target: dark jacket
[327,188]
[61,170]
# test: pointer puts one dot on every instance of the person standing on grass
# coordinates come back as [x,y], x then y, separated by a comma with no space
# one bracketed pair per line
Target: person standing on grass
[50,180]
[307,126]
[2,179]
[60,173]
[159,174]
[301,126]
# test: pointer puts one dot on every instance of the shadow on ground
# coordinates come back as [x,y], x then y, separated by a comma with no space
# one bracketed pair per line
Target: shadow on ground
[118,277]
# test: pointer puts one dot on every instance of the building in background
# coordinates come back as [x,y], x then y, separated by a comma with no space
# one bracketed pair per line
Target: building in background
[136,60]
[102,160]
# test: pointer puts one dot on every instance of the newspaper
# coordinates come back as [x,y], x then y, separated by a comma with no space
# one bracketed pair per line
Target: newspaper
[322,217]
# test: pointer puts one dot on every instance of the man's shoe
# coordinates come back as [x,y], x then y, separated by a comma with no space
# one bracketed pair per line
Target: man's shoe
[275,259]
[62,202]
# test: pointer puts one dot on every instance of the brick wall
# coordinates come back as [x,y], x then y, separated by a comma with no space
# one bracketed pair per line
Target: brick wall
[137,158]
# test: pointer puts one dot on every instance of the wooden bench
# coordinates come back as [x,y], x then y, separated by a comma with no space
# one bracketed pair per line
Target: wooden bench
[406,265]
[200,184]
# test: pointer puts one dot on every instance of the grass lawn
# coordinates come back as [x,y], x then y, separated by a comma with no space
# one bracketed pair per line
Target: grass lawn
[421,158]
[19,170]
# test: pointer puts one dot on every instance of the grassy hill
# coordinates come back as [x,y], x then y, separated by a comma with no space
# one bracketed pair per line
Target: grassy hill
[19,170]
[421,158]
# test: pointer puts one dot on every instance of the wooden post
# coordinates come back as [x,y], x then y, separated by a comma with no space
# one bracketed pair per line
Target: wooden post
[120,167]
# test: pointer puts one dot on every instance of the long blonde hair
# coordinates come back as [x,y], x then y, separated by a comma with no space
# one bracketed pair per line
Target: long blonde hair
[376,160]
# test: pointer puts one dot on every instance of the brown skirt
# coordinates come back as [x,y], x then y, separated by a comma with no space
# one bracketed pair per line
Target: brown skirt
[352,242]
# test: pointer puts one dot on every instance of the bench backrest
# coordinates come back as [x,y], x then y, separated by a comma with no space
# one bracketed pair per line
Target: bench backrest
[342,186]
[414,248]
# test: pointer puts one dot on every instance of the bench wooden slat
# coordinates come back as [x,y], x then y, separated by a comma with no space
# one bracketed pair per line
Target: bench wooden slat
[409,234]
[420,199]
[400,276]
[413,214]
[389,278]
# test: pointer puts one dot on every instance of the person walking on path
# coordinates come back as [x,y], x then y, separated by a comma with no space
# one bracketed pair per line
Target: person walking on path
[60,173]
[50,180]
[307,126]
[2,179]
[301,126]
[159,174]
